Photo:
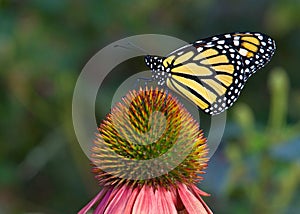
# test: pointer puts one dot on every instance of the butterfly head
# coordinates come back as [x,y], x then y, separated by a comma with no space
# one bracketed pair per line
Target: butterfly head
[159,72]
[154,62]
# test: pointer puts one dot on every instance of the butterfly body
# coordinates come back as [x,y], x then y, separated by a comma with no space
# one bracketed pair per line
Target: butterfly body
[212,72]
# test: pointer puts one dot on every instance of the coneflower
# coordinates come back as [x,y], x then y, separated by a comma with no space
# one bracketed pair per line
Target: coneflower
[148,156]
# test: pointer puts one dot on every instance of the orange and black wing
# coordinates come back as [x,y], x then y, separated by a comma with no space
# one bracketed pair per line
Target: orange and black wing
[211,72]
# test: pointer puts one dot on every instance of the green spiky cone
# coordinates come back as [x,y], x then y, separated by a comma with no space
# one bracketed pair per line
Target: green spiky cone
[149,138]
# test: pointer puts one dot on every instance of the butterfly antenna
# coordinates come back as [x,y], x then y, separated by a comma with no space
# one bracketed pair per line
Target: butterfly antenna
[131,46]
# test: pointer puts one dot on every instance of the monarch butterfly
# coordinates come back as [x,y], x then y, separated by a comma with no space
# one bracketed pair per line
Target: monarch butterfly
[211,72]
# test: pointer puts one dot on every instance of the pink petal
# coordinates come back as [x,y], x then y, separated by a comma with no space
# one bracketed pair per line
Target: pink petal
[164,202]
[131,201]
[118,203]
[197,193]
[102,205]
[142,203]
[151,199]
[190,202]
[93,201]
[173,195]
[177,201]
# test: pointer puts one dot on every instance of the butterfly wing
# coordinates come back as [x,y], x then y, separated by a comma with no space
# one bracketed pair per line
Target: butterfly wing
[211,72]
[256,49]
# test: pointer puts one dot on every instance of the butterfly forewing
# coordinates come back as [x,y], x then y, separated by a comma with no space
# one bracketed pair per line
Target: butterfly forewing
[256,49]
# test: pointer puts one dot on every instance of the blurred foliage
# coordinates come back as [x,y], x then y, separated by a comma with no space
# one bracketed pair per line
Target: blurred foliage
[45,44]
[259,165]
[260,177]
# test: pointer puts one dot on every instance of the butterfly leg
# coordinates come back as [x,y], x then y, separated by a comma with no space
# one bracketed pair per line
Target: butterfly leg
[145,80]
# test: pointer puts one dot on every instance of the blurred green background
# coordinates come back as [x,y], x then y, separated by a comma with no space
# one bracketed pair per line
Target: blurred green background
[45,44]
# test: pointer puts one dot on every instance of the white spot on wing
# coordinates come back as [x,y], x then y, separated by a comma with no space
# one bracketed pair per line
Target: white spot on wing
[243,51]
[200,49]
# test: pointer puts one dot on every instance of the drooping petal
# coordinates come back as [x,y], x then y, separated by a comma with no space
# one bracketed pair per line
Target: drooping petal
[164,201]
[197,193]
[102,205]
[118,203]
[142,203]
[149,193]
[97,198]
[177,201]
[131,201]
[190,202]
